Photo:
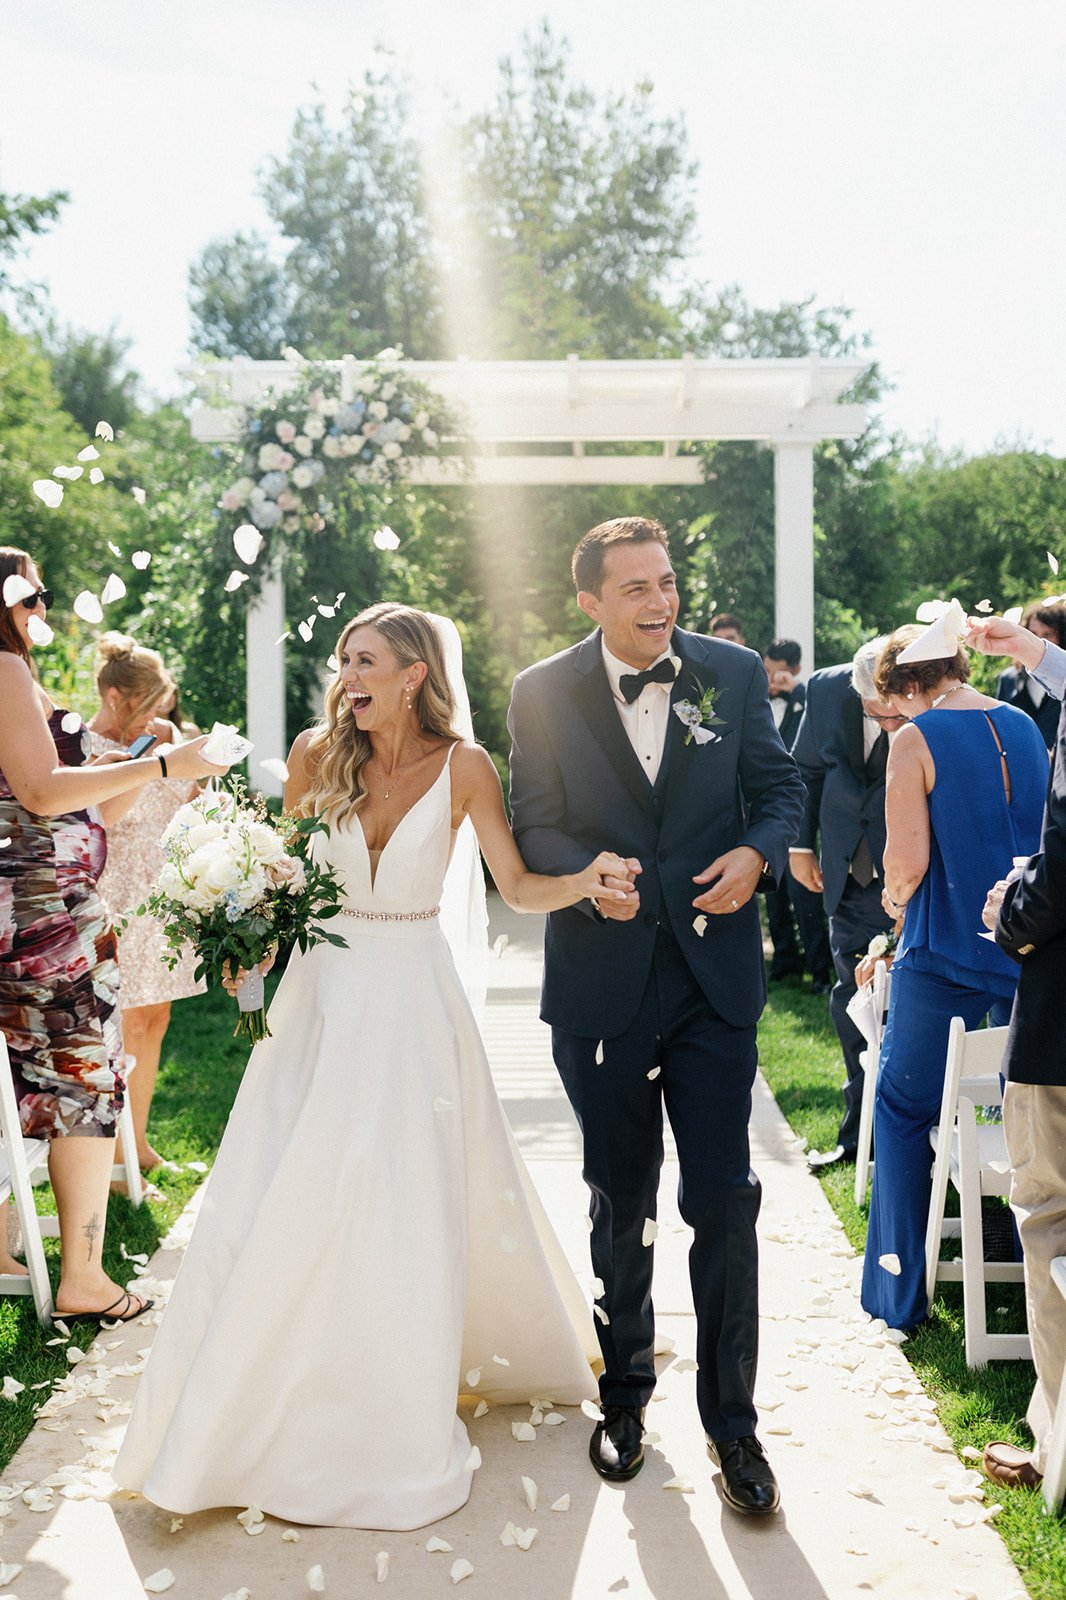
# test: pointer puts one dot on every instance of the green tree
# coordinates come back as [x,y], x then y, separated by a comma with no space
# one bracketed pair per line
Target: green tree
[91,373]
[240,300]
[22,216]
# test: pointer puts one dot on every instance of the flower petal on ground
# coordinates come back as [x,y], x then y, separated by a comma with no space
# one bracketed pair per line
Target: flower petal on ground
[524,1432]
[290,1536]
[381,1565]
[461,1569]
[159,1581]
[682,1485]
[562,1504]
[473,1377]
[480,1409]
[501,1361]
[553,1419]
[435,1544]
[251,1518]
[529,1489]
[523,1537]
[176,1524]
[473,1460]
[88,608]
[11,1388]
[316,1580]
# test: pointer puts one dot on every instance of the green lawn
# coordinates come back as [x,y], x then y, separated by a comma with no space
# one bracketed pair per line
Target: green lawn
[801,1060]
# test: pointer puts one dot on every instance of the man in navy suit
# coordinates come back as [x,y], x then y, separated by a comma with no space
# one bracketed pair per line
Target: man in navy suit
[841,751]
[782,660]
[659,744]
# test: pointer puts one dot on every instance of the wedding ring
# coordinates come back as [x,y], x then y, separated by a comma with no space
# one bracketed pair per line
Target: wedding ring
[733,903]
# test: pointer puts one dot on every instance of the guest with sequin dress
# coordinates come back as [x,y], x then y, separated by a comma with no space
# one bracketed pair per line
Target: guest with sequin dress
[58,974]
[134,686]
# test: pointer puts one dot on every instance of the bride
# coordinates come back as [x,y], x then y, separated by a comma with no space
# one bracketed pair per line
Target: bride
[370,1245]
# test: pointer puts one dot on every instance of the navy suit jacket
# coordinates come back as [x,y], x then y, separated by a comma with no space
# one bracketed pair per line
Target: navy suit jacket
[577,788]
[840,808]
[1032,929]
[1011,689]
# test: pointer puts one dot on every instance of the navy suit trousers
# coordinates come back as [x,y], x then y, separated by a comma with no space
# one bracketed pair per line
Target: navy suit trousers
[707,1068]
[856,920]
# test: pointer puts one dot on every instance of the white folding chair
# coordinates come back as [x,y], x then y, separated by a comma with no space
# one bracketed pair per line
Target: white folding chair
[876,1011]
[1055,1467]
[974,1158]
[21,1162]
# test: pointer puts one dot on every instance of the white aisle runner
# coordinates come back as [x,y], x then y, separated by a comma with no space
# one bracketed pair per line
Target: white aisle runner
[869,1482]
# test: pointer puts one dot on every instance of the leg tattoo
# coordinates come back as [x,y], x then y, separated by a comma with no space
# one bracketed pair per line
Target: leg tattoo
[91,1230]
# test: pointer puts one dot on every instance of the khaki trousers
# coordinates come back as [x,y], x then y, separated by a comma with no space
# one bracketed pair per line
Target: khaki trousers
[1034,1122]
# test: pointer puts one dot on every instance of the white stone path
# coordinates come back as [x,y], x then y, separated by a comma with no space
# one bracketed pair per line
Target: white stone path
[874,1498]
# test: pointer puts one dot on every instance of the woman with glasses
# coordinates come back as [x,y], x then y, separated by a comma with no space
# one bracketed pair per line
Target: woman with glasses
[58,977]
[136,692]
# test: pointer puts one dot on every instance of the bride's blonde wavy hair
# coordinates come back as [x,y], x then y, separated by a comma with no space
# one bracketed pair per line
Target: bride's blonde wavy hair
[338,750]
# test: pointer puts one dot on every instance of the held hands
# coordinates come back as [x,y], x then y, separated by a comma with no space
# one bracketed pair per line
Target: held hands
[618,900]
[733,878]
[185,761]
[994,636]
[231,982]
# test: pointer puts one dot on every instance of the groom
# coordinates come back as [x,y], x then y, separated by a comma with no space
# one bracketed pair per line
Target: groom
[660,745]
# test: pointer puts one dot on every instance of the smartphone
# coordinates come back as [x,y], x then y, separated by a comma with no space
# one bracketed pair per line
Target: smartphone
[141,746]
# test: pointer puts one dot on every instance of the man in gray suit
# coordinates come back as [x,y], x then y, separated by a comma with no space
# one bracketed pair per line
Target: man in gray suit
[841,750]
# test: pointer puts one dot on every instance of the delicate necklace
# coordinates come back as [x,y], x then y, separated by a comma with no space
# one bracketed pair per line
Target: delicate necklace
[953,690]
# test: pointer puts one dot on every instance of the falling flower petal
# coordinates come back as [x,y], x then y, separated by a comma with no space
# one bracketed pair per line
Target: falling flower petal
[248,541]
[385,539]
[49,491]
[529,1489]
[654,1073]
[305,630]
[88,607]
[601,1313]
[138,494]
[1014,614]
[234,581]
[39,631]
[651,1231]
[290,1536]
[95,475]
[461,1569]
[90,453]
[591,1409]
[598,1290]
[984,606]
[276,767]
[381,1565]
[159,1581]
[480,1409]
[1053,562]
[686,1364]
[440,1104]
[327,611]
[141,559]
[473,1460]
[333,664]
[113,590]
[524,1432]
[890,1262]
[599,1053]
[562,1504]
[72,474]
[104,430]
[682,1485]
[316,1580]
[435,1544]
[16,588]
[700,925]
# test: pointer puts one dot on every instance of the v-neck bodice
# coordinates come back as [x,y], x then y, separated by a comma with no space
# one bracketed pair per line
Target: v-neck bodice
[410,866]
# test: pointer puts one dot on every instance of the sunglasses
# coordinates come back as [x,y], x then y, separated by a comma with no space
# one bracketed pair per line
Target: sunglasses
[44,596]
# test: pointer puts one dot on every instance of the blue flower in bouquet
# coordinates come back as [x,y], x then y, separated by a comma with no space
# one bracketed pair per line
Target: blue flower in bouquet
[274,483]
[265,514]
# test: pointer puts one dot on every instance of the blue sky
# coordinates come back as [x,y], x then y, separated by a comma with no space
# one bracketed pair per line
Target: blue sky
[905,158]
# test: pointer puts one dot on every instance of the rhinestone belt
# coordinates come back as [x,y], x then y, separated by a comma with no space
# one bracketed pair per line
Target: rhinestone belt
[390,916]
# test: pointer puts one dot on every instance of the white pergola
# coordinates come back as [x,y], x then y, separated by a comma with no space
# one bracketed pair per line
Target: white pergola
[505,407]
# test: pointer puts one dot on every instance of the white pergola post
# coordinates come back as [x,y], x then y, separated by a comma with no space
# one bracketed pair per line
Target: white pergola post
[794,546]
[265,678]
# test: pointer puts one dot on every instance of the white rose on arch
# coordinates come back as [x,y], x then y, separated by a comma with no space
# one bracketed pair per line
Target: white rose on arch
[302,445]
[313,426]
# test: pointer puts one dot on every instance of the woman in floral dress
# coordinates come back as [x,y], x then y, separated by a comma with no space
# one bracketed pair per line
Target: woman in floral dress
[58,976]
[134,687]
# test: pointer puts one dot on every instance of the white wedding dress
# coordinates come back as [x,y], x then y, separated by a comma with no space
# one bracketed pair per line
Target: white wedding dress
[369,1236]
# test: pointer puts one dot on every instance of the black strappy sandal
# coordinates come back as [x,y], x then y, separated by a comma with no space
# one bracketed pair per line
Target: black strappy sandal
[108,1314]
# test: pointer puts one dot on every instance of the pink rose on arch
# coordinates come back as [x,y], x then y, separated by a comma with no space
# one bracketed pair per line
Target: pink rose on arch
[285,431]
[288,501]
[231,500]
[370,428]
[285,461]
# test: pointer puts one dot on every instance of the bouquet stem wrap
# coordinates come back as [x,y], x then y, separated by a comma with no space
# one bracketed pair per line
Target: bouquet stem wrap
[251,1023]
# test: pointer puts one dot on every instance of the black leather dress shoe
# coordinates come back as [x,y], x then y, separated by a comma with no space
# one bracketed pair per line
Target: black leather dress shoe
[616,1448]
[748,1482]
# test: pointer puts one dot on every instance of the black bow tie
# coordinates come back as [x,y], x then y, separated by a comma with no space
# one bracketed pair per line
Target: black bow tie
[631,683]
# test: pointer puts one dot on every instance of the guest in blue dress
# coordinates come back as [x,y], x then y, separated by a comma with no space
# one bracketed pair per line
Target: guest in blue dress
[965,794]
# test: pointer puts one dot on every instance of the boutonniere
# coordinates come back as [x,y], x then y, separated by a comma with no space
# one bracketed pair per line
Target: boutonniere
[699,716]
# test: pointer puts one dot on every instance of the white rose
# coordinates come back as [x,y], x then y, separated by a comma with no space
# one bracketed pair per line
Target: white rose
[302,445]
[378,410]
[265,843]
[169,882]
[421,419]
[329,407]
[404,433]
[367,383]
[202,833]
[313,426]
[270,457]
[878,946]
[351,444]
[391,450]
[331,447]
[302,476]
[388,391]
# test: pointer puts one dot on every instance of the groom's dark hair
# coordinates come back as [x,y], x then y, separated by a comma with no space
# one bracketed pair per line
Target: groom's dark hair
[587,562]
